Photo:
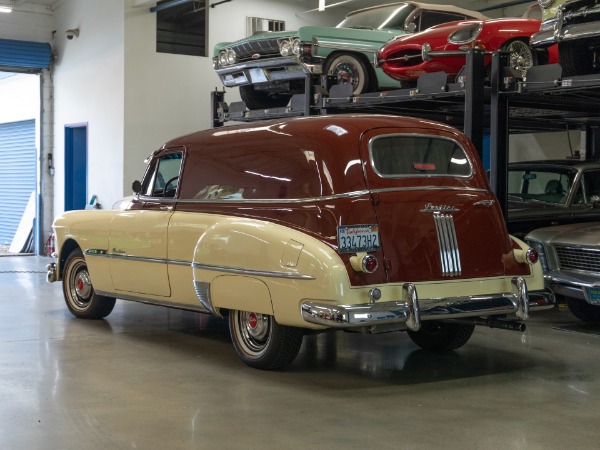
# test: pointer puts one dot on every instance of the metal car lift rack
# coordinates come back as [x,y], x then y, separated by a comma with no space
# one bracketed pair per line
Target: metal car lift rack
[542,102]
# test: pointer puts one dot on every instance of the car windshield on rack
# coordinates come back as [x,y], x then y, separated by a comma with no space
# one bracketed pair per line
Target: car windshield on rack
[547,185]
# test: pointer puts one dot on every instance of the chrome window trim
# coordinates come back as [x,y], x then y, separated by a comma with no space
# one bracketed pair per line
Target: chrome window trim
[429,136]
[326,198]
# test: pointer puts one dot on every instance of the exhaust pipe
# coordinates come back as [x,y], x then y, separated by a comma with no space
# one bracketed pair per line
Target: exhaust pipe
[502,324]
[492,322]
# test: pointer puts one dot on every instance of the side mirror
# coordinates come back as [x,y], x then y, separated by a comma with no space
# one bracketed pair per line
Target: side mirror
[411,28]
[137,187]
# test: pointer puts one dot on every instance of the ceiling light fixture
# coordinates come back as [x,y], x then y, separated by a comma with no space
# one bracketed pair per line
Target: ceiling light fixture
[5,9]
[321,5]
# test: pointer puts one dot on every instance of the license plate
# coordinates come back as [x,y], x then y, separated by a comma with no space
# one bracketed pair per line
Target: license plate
[358,238]
[594,295]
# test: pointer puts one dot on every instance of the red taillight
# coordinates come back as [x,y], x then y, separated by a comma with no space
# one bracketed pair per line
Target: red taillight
[532,256]
[370,264]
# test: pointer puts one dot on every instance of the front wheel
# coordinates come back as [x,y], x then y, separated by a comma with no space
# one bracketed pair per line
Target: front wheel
[577,58]
[81,299]
[521,56]
[261,342]
[441,336]
[349,69]
[583,310]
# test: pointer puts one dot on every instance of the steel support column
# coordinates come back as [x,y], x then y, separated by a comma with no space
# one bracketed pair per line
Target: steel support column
[499,132]
[474,98]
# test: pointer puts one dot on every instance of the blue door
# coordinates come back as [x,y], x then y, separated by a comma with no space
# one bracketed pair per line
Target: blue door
[75,167]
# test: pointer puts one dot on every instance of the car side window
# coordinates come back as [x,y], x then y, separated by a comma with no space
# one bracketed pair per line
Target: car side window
[163,178]
[589,188]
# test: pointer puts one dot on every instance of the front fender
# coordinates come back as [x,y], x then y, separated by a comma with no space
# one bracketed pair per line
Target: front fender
[89,230]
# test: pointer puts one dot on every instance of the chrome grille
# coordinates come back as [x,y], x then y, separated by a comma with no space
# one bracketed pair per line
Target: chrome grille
[573,258]
[264,47]
[449,254]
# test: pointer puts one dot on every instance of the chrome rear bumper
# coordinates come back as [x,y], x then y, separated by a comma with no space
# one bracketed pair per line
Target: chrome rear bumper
[411,311]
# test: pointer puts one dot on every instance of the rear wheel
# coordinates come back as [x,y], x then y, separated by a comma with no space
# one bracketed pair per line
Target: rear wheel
[576,58]
[441,336]
[349,69]
[261,342]
[257,99]
[81,299]
[583,310]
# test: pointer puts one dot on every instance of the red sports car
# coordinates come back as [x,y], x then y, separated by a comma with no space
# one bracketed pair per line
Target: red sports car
[441,48]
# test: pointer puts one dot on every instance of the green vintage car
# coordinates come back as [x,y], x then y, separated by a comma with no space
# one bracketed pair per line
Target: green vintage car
[270,68]
[575,26]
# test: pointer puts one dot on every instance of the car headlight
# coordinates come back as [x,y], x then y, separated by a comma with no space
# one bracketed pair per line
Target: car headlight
[545,3]
[231,57]
[289,47]
[223,58]
[227,57]
[285,48]
[296,46]
[466,34]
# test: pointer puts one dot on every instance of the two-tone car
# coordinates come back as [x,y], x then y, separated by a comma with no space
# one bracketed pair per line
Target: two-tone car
[367,223]
[575,26]
[570,257]
[270,68]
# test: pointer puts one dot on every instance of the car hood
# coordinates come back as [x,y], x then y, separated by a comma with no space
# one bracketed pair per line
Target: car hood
[580,234]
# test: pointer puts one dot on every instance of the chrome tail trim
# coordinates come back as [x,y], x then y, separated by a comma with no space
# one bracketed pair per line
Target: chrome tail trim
[203,292]
[448,244]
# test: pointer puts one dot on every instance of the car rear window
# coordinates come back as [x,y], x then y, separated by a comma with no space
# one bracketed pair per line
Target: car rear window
[418,155]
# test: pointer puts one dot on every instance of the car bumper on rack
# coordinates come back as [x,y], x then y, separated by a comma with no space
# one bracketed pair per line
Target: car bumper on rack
[267,71]
[411,311]
[576,285]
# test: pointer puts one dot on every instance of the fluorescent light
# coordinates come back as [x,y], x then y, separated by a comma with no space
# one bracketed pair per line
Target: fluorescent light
[321,5]
[5,9]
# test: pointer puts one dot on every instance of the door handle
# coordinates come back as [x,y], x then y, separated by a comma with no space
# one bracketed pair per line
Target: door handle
[166,208]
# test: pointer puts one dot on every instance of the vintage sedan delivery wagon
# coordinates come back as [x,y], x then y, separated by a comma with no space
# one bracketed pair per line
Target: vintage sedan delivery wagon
[365,223]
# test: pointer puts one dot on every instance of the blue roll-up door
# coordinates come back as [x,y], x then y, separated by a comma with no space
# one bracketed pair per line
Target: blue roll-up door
[24,54]
[17,174]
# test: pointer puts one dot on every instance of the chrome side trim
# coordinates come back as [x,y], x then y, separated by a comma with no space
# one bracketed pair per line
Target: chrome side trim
[448,244]
[105,254]
[429,188]
[251,272]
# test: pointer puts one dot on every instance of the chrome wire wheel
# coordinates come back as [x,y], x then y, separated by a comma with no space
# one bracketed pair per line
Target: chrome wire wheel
[521,56]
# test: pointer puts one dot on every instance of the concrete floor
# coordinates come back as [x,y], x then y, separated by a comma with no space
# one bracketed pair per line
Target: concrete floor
[152,378]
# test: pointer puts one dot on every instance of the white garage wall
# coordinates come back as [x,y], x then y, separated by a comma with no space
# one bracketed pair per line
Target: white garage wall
[28,23]
[169,95]
[88,89]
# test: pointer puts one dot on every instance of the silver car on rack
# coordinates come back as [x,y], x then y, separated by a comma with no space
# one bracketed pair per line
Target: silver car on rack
[570,257]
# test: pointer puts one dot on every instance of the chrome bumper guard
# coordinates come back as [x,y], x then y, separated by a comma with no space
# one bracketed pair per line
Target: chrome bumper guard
[51,276]
[410,311]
